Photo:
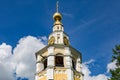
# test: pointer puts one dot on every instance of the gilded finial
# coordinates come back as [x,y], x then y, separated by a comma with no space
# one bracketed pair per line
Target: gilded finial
[57,16]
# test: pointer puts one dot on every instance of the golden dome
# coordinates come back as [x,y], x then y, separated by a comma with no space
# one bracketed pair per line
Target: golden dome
[57,16]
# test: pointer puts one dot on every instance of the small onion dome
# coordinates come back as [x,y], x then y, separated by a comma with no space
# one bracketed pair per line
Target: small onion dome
[57,16]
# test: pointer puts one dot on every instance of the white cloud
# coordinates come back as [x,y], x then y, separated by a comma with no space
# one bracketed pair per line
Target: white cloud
[111,66]
[5,51]
[87,72]
[22,61]
[90,61]
[6,66]
[44,38]
[24,56]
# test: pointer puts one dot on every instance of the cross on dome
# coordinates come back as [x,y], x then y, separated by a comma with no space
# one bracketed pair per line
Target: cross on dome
[57,16]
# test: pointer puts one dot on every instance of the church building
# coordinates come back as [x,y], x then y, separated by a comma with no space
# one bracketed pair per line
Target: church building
[58,60]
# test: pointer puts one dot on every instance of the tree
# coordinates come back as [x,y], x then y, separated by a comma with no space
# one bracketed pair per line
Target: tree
[115,74]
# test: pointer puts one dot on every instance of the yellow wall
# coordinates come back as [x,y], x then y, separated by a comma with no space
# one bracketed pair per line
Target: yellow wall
[60,76]
[43,78]
[57,50]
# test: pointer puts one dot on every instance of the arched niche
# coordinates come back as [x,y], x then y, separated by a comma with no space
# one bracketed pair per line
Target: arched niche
[59,60]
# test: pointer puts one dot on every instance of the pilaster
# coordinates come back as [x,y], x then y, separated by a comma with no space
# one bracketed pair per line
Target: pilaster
[50,65]
[70,74]
[68,59]
[39,64]
[78,65]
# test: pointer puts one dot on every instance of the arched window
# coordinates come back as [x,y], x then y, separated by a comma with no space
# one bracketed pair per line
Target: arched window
[45,63]
[59,61]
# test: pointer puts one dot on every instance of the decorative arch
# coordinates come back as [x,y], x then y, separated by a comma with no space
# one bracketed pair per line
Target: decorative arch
[66,42]
[51,40]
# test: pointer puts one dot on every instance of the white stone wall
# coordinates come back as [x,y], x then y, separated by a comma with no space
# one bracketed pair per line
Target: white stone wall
[39,64]
[78,65]
[50,73]
[50,61]
[55,28]
[67,58]
[70,74]
[39,67]
[58,33]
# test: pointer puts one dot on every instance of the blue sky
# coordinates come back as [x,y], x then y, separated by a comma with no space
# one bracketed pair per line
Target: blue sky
[92,25]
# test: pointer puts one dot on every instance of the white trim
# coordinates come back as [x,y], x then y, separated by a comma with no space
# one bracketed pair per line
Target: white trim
[50,61]
[68,62]
[39,67]
[50,50]
[78,65]
[50,74]
[67,51]
[70,74]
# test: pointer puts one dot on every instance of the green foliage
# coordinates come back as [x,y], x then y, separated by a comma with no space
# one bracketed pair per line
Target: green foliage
[115,74]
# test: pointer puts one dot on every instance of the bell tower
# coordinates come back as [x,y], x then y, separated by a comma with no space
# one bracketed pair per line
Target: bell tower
[58,60]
